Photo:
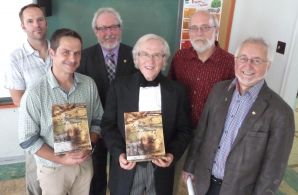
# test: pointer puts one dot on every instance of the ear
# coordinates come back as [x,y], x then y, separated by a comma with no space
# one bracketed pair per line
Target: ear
[23,26]
[51,52]
[95,31]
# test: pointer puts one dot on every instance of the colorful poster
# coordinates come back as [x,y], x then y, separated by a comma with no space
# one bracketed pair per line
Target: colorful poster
[189,8]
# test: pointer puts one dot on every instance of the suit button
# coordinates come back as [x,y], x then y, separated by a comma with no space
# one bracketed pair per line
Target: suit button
[208,170]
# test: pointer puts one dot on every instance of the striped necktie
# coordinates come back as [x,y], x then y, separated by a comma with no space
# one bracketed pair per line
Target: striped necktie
[111,66]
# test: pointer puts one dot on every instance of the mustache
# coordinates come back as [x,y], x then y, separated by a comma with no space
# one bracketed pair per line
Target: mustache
[108,37]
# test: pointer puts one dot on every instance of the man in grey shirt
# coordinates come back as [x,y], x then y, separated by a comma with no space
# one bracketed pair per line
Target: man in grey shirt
[27,64]
[71,173]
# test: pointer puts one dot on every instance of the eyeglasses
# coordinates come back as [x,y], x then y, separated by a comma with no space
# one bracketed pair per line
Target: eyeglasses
[106,28]
[254,61]
[203,28]
[155,56]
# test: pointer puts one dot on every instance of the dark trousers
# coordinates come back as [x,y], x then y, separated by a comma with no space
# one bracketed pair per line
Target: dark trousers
[99,181]
[214,187]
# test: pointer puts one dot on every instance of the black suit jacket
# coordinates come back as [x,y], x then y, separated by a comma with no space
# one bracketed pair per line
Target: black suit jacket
[93,65]
[123,96]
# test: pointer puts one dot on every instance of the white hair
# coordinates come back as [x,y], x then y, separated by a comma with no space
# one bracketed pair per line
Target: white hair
[105,10]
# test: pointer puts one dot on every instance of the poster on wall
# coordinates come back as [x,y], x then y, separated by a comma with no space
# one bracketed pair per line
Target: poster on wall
[189,8]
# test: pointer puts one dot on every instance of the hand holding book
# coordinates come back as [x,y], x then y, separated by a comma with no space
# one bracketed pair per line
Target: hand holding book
[76,157]
[164,161]
[125,164]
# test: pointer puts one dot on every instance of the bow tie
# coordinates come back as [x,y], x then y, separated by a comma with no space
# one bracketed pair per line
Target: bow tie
[145,83]
[149,83]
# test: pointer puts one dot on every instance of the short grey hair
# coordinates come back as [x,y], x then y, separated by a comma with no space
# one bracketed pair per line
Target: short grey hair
[105,10]
[144,38]
[213,21]
[257,41]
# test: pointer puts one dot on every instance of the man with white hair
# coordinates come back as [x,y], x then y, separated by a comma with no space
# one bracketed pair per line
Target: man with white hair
[199,67]
[104,61]
[146,90]
[245,134]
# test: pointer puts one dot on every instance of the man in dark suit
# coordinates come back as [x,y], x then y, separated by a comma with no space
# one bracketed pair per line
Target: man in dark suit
[103,62]
[246,131]
[146,90]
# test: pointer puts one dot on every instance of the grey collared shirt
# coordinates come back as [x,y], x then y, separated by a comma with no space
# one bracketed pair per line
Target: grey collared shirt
[35,115]
[25,66]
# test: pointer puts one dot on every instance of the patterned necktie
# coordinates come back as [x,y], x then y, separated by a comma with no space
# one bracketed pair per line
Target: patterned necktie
[111,66]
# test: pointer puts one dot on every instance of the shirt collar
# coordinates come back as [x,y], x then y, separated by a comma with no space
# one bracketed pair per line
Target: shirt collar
[29,49]
[214,56]
[105,51]
[54,83]
[253,91]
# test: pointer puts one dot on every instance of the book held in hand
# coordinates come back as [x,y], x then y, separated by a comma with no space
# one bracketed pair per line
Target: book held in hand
[70,128]
[144,135]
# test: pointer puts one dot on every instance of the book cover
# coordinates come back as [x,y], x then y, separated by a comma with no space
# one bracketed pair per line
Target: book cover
[70,128]
[144,135]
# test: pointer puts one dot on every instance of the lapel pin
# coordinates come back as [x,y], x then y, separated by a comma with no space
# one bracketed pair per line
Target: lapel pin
[253,113]
[226,99]
[124,60]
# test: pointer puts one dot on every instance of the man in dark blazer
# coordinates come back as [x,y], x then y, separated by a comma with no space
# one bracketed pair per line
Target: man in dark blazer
[146,90]
[245,133]
[95,62]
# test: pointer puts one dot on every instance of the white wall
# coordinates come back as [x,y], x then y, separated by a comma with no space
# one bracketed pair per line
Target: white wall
[10,151]
[275,21]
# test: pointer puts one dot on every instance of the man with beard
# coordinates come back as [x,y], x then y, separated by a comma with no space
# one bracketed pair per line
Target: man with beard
[200,67]
[103,62]
[245,133]
[26,65]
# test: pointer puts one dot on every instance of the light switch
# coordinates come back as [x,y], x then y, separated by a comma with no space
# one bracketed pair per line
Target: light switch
[281,46]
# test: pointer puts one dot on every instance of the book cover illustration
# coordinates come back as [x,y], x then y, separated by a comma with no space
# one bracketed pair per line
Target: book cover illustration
[144,135]
[70,126]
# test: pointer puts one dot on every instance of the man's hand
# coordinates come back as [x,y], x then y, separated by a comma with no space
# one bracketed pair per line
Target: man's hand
[125,164]
[186,175]
[94,137]
[164,161]
[77,157]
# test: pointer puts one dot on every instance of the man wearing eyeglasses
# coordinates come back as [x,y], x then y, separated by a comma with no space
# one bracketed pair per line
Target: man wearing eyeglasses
[200,66]
[104,61]
[245,133]
[146,90]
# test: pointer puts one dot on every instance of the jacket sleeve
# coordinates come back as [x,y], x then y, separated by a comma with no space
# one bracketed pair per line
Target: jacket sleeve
[199,134]
[110,131]
[277,152]
[182,127]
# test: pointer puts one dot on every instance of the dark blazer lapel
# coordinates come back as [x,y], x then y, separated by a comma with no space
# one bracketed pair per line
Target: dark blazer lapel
[224,101]
[122,60]
[133,89]
[100,64]
[255,113]
[167,96]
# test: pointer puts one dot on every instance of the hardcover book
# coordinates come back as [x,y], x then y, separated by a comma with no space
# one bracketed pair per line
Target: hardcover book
[144,135]
[70,128]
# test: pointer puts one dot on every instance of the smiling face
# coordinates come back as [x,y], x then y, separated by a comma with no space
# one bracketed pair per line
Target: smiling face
[151,58]
[66,58]
[34,23]
[108,30]
[249,73]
